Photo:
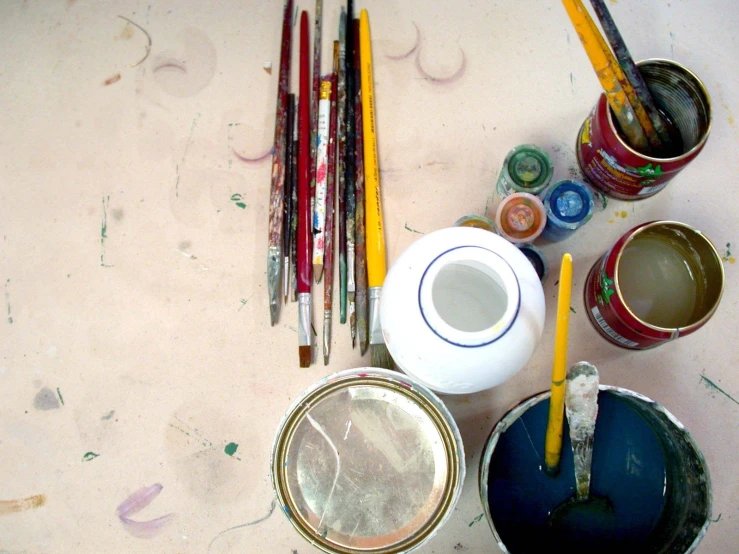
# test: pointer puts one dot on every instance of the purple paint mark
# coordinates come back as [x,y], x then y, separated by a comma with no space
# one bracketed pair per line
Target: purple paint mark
[442,80]
[415,46]
[171,64]
[256,160]
[134,504]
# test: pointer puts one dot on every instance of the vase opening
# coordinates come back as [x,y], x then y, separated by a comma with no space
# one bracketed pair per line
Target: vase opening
[468,296]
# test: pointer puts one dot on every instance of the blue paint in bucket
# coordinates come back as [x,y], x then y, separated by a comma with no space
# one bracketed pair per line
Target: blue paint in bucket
[629,469]
[569,206]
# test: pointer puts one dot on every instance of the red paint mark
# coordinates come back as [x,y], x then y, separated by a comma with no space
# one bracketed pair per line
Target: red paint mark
[110,80]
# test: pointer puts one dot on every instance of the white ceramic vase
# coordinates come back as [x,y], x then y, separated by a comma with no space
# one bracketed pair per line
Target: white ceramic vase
[462,310]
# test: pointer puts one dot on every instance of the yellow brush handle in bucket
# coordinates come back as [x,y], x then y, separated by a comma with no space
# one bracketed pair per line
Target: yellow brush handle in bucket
[553,443]
[375,238]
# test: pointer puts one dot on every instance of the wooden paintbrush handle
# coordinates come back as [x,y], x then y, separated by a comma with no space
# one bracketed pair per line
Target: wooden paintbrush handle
[304,215]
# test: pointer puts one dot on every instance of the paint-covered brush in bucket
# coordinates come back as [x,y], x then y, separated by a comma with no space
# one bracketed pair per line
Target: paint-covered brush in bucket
[614,167]
[660,281]
[644,463]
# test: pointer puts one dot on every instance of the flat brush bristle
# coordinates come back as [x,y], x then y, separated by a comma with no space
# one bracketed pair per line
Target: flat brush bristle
[380,357]
[305,355]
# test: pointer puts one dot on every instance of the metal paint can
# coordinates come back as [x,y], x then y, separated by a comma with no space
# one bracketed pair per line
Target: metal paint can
[660,281]
[526,168]
[367,460]
[618,170]
[569,206]
[520,218]
[537,259]
[664,505]
[476,221]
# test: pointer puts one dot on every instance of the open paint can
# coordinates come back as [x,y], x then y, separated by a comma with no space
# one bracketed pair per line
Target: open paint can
[645,465]
[660,281]
[367,461]
[614,167]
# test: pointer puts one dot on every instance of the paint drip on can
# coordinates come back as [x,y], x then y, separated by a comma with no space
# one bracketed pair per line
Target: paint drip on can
[569,206]
[527,168]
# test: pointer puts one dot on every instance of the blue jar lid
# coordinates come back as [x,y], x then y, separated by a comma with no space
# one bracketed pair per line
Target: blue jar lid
[569,203]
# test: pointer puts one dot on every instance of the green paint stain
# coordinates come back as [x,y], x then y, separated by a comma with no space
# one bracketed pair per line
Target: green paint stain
[476,520]
[713,386]
[89,456]
[238,199]
[412,230]
[231,448]
[59,394]
[104,231]
[572,310]
[241,205]
[243,303]
[7,302]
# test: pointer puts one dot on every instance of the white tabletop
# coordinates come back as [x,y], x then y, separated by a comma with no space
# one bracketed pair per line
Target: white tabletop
[137,345]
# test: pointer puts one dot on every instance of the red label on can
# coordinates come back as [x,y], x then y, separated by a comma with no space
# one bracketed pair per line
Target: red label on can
[616,170]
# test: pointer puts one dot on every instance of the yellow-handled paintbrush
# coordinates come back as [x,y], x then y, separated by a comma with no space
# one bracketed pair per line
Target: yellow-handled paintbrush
[614,83]
[375,239]
[553,442]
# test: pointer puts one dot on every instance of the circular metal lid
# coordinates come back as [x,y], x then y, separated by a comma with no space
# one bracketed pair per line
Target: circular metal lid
[367,461]
[529,166]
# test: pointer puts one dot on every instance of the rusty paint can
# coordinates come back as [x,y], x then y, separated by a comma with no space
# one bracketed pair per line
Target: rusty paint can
[660,281]
[615,168]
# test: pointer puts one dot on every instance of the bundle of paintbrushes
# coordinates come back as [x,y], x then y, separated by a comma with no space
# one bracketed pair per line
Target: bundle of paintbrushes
[325,163]
[643,126]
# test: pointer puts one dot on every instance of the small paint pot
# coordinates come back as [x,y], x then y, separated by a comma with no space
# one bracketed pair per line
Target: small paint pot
[520,218]
[537,259]
[615,168]
[462,310]
[660,281]
[367,460]
[476,221]
[526,168]
[569,206]
[644,463]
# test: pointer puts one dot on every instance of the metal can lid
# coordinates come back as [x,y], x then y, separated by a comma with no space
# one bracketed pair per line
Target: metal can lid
[569,202]
[367,460]
[529,166]
[520,217]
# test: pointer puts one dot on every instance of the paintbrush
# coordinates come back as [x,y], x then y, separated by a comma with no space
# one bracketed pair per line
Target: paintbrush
[376,268]
[305,338]
[349,171]
[360,250]
[632,72]
[315,93]
[341,145]
[553,441]
[294,202]
[328,280]
[289,207]
[277,189]
[319,212]
[606,68]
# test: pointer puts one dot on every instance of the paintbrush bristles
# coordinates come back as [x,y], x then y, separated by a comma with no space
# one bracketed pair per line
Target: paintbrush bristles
[380,357]
[305,355]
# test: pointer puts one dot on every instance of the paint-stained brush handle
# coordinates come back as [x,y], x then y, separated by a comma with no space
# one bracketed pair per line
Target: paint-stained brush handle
[304,213]
[605,67]
[375,237]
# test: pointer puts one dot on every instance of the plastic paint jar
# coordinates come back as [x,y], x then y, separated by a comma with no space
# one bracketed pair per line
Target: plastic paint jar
[476,221]
[526,168]
[520,217]
[660,281]
[569,206]
[537,259]
[367,460]
[644,463]
[613,167]
[462,310]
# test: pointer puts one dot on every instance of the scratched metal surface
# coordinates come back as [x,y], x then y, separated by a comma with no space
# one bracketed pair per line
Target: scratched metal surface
[136,346]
